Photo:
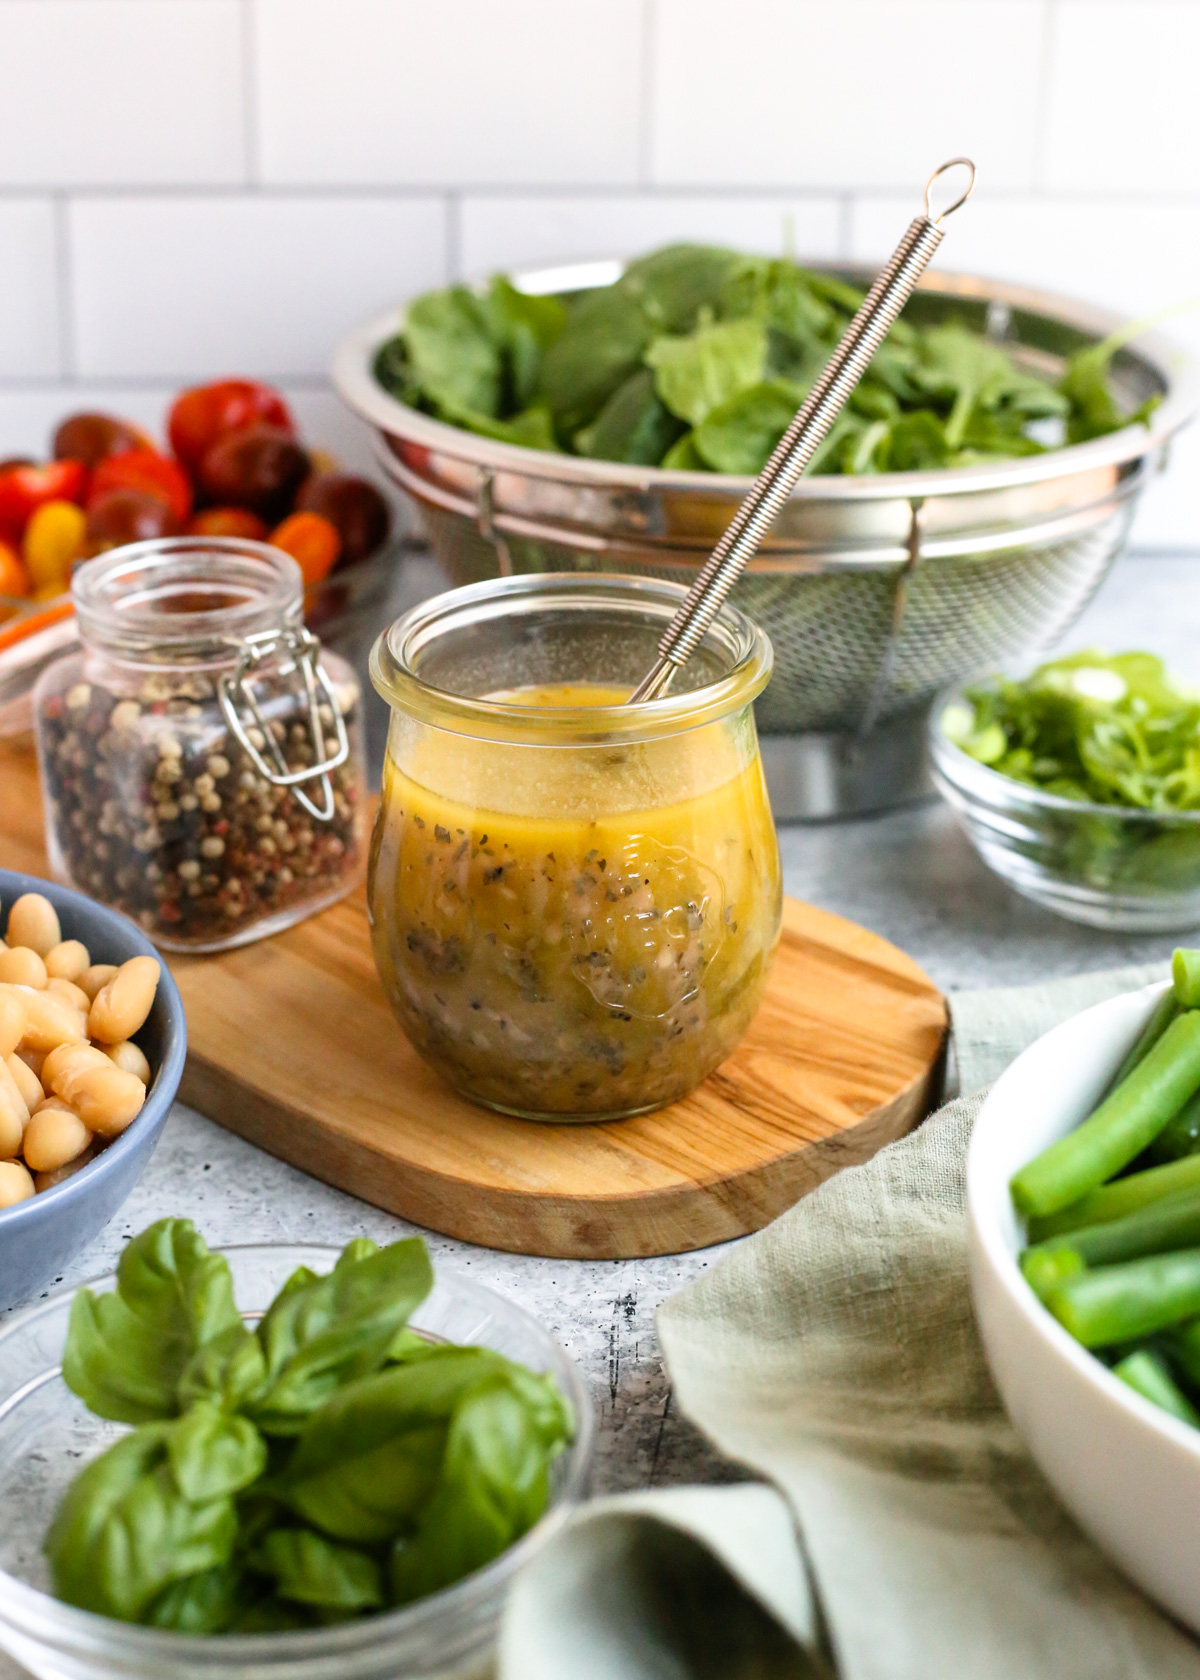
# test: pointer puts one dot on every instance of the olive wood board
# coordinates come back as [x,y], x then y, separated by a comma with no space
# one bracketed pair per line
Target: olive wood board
[291,1045]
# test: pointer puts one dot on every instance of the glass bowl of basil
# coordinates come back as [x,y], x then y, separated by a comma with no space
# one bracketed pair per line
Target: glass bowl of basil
[1079,785]
[277,1461]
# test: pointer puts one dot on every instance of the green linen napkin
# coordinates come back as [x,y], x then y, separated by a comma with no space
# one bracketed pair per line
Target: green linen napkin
[835,1355]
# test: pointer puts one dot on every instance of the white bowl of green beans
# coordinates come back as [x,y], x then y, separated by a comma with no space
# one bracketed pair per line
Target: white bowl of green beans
[1083,1200]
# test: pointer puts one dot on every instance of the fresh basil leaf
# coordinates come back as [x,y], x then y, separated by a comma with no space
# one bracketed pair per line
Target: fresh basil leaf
[309,1569]
[270,1615]
[494,1487]
[126,1352]
[125,1531]
[323,1334]
[634,425]
[212,1454]
[204,1603]
[367,1461]
[600,346]
[738,436]
[696,374]
[228,1371]
[358,1248]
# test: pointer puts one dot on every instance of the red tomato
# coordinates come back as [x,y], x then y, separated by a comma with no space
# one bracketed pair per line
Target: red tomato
[200,416]
[146,470]
[227,522]
[312,542]
[14,580]
[22,489]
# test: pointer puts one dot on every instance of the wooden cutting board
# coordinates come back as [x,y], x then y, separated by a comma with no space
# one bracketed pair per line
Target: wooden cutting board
[292,1045]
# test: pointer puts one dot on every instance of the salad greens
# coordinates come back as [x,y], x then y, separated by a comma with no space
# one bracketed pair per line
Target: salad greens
[698,357]
[1107,730]
[328,1463]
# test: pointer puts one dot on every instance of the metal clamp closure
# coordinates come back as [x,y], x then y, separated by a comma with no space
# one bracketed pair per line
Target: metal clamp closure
[300,652]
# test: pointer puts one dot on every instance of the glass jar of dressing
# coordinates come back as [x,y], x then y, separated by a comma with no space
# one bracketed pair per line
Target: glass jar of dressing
[574,902]
[201,757]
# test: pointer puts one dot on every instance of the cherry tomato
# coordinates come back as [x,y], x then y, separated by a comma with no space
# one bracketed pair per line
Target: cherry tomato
[353,506]
[22,489]
[13,577]
[260,468]
[146,469]
[207,412]
[54,539]
[227,522]
[92,438]
[127,516]
[312,542]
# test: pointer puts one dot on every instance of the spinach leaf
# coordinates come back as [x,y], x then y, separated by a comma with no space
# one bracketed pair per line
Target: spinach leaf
[674,284]
[126,1352]
[696,374]
[600,346]
[125,1530]
[453,351]
[532,429]
[525,326]
[739,435]
[395,372]
[325,1333]
[367,1461]
[634,425]
[212,1454]
[204,1603]
[494,1487]
[915,443]
[309,1569]
[684,456]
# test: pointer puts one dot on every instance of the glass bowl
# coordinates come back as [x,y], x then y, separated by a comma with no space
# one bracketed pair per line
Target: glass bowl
[1109,866]
[46,1435]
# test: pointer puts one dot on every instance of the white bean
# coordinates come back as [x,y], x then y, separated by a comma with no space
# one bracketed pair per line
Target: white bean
[52,1021]
[12,1094]
[75,995]
[33,921]
[66,1059]
[27,1082]
[47,1180]
[105,1098]
[98,975]
[13,1018]
[19,966]
[53,1137]
[121,1007]
[16,1183]
[68,960]
[131,1057]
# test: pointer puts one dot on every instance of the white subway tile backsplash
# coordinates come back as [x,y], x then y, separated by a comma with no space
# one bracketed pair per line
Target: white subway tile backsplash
[503,232]
[29,346]
[376,91]
[120,92]
[844,93]
[1122,105]
[208,285]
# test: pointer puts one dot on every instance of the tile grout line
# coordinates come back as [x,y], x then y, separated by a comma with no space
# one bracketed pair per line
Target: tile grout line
[64,266]
[1044,94]
[251,137]
[649,21]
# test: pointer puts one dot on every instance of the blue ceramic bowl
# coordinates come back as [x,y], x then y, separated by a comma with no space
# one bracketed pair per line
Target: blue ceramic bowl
[39,1236]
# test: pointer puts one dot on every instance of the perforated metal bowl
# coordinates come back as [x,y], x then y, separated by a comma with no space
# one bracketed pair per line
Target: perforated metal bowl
[875,591]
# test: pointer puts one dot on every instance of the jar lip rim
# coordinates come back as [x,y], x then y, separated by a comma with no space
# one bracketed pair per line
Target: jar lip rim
[135,623]
[400,684]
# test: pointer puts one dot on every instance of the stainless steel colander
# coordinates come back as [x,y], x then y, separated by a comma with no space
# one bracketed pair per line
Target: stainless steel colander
[876,591]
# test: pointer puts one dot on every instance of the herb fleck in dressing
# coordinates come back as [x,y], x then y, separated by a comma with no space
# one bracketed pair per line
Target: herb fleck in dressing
[589,933]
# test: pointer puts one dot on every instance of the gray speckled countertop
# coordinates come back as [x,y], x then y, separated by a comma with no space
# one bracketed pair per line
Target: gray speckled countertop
[910,876]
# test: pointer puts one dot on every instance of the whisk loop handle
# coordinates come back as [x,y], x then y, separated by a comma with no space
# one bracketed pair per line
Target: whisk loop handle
[811,425]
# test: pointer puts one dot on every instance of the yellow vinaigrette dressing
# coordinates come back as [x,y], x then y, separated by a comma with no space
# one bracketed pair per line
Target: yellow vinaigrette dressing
[577,930]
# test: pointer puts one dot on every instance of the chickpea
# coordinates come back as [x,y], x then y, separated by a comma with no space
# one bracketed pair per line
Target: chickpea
[19,966]
[66,1059]
[53,1137]
[68,960]
[13,1019]
[75,995]
[121,1007]
[52,1021]
[47,1180]
[131,1057]
[105,1098]
[16,1183]
[91,980]
[33,921]
[26,1081]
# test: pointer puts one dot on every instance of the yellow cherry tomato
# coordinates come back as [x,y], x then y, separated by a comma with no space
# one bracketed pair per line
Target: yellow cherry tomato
[13,579]
[53,541]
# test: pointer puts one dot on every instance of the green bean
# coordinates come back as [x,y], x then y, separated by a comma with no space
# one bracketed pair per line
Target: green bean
[1161,1016]
[1183,1344]
[1125,1122]
[1124,1303]
[1185,978]
[1114,1201]
[1046,1265]
[1180,1136]
[1166,1225]
[1147,1373]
